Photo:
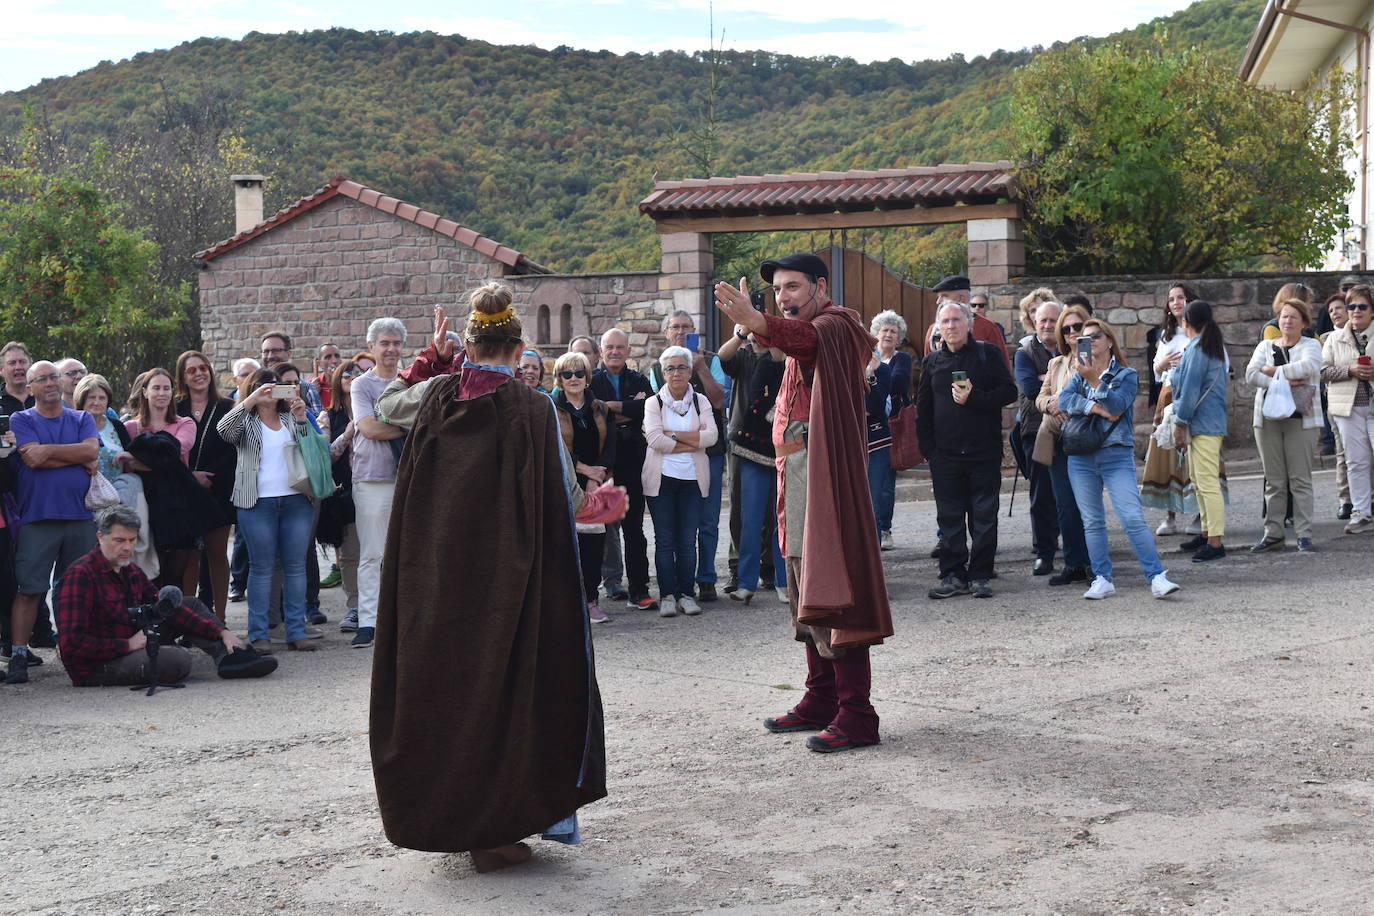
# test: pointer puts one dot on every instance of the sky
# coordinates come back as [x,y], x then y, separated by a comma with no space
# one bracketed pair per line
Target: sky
[41,39]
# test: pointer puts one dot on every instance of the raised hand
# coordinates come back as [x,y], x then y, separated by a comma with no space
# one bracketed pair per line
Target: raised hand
[442,345]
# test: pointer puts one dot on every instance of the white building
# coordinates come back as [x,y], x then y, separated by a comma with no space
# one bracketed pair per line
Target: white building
[1294,45]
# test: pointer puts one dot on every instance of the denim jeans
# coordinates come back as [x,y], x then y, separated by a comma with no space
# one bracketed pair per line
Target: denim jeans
[277,528]
[882,486]
[708,526]
[676,511]
[1066,507]
[758,498]
[1112,468]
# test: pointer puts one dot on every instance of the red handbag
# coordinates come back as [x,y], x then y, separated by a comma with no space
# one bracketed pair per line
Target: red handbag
[906,450]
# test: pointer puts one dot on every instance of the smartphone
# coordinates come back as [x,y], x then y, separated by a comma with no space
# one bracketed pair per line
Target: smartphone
[1085,350]
[4,424]
[693,343]
[283,392]
[959,377]
[1363,360]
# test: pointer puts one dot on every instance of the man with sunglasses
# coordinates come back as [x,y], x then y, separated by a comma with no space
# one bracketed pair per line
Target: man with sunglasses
[835,581]
[624,392]
[58,448]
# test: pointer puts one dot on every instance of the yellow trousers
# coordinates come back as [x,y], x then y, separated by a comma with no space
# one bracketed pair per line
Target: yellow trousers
[1204,469]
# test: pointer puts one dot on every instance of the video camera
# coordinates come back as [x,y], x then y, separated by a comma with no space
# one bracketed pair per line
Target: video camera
[149,618]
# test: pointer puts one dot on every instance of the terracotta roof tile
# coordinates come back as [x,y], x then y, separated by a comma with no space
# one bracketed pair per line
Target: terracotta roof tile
[364,195]
[860,189]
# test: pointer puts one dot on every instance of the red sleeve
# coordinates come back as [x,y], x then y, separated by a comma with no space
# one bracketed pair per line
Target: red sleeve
[427,365]
[77,595]
[188,621]
[795,338]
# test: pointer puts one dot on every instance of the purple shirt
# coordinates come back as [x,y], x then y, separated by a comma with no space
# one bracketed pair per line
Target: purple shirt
[55,494]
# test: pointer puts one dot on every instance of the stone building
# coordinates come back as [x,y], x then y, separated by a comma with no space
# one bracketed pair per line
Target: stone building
[322,268]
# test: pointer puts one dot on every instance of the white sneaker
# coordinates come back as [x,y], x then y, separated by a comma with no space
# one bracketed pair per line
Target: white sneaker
[689,606]
[782,596]
[1102,587]
[1160,586]
[1195,526]
[885,541]
[1165,529]
[667,606]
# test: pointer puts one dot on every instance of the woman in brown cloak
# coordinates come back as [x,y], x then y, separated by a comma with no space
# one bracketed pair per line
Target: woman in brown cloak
[486,718]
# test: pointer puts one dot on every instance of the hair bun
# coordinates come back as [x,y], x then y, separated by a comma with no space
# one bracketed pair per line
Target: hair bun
[491,298]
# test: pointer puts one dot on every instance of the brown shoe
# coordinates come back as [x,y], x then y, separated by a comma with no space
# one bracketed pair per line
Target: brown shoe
[262,646]
[302,645]
[485,860]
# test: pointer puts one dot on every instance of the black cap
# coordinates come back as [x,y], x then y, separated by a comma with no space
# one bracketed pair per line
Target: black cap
[951,283]
[801,261]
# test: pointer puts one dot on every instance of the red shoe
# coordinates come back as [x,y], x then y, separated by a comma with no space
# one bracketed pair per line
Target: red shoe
[830,740]
[790,722]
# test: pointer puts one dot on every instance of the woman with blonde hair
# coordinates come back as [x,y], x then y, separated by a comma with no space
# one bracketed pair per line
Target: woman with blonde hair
[1102,390]
[1057,374]
[1029,303]
[483,584]
[1289,291]
[1286,443]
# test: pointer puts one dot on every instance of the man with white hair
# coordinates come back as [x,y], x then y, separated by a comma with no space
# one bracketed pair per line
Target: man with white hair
[73,370]
[1029,365]
[374,472]
[964,386]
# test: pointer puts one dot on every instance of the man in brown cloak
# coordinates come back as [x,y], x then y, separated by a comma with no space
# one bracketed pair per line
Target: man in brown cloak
[825,516]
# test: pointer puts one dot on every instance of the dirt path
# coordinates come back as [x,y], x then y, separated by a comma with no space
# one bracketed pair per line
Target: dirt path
[1044,754]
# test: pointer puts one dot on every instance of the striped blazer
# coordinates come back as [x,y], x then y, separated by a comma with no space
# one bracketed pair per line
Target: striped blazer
[243,430]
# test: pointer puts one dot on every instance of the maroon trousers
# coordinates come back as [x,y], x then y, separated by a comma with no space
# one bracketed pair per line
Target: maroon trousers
[837,694]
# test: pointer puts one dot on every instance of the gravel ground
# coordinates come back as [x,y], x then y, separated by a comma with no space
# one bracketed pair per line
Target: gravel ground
[1208,754]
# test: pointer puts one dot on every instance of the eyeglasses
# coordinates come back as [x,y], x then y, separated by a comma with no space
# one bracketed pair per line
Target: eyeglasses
[676,368]
[44,379]
[269,350]
[680,327]
[353,374]
[75,373]
[574,373]
[198,370]
[1357,306]
[977,305]
[1073,328]
[1093,335]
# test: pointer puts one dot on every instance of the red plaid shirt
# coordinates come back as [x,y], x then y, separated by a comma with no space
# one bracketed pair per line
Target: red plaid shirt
[93,623]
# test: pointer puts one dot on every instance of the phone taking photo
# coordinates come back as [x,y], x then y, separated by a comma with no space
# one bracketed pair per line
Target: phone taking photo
[1085,350]
[693,342]
[283,392]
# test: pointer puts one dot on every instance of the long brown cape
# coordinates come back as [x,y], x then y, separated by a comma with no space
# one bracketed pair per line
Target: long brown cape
[485,711]
[842,582]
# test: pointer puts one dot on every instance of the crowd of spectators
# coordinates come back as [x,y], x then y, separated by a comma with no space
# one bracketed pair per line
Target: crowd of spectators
[189,464]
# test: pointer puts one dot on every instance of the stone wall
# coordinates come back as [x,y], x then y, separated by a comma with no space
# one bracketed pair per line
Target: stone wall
[1133,305]
[325,275]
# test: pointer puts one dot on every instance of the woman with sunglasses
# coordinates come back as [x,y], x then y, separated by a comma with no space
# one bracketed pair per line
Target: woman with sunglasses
[1165,484]
[212,461]
[678,427]
[589,436]
[1057,374]
[1104,388]
[1347,370]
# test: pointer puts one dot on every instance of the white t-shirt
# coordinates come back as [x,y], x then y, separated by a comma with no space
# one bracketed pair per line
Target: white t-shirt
[272,479]
[679,465]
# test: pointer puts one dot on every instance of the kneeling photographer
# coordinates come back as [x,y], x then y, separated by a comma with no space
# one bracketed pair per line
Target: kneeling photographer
[107,609]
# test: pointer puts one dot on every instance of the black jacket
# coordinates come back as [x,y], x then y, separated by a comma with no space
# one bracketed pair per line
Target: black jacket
[631,384]
[179,509]
[971,431]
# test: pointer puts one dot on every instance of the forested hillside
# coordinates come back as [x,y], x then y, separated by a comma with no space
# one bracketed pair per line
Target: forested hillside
[547,151]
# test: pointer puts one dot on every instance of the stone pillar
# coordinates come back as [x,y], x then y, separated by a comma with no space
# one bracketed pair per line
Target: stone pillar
[996,251]
[686,272]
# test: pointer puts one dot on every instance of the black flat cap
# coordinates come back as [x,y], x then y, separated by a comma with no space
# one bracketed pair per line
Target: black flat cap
[951,283]
[801,261]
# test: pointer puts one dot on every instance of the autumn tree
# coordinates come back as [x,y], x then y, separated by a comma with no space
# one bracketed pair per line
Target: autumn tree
[74,282]
[1159,159]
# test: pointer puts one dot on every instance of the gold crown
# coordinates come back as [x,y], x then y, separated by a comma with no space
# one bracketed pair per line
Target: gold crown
[481,320]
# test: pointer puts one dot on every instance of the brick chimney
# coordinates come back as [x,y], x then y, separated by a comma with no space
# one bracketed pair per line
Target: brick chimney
[247,201]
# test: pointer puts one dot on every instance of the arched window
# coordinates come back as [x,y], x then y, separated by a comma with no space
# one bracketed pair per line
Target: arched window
[541,333]
[565,323]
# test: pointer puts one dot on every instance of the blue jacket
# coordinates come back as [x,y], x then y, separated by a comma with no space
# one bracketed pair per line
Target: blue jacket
[1199,384]
[1115,392]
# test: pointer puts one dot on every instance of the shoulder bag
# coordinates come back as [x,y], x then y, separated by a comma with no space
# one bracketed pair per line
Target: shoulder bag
[906,450]
[1082,434]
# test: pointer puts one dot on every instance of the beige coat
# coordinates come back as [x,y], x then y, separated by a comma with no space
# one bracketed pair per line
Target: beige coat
[661,444]
[1338,355]
[1305,368]
[1057,375]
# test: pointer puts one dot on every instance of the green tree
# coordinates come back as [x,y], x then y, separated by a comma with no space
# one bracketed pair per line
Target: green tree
[1158,159]
[73,282]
